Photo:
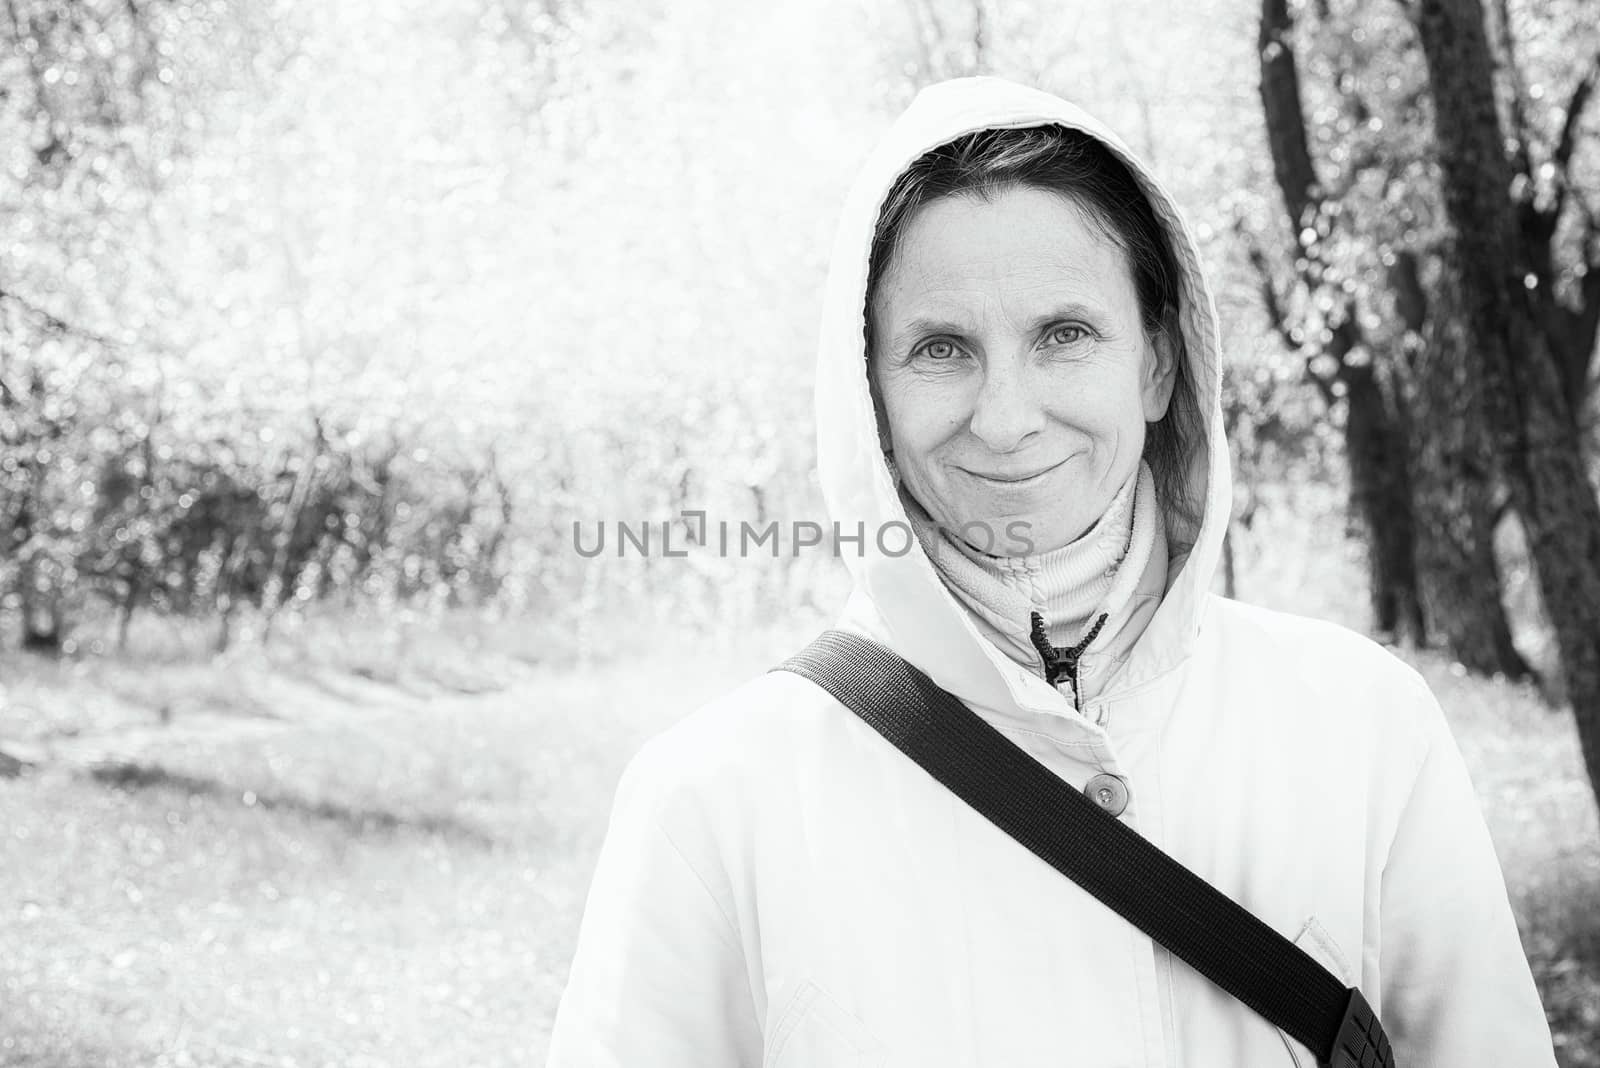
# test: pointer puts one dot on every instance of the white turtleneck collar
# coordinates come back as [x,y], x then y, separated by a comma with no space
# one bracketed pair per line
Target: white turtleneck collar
[1117,569]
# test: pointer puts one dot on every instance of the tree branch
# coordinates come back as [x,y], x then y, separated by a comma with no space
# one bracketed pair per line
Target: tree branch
[1580,326]
[1324,384]
[52,321]
[1583,329]
[1276,316]
[1568,142]
[1521,161]
[1281,102]
[1410,298]
[1279,318]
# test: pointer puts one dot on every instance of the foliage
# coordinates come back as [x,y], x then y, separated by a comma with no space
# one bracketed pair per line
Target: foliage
[374,301]
[195,295]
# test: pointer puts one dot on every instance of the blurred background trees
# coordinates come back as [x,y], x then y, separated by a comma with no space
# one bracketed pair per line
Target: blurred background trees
[367,305]
[1530,318]
[235,369]
[1464,337]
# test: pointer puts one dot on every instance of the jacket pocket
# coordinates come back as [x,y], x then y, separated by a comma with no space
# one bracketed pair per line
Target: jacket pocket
[1316,941]
[1320,947]
[815,1031]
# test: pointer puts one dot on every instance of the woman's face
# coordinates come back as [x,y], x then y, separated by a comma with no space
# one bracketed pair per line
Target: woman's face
[1013,375]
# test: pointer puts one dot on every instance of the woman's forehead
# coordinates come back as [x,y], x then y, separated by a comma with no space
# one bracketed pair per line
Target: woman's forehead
[1021,242]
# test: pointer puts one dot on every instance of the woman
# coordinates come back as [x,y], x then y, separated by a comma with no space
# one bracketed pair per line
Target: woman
[1019,360]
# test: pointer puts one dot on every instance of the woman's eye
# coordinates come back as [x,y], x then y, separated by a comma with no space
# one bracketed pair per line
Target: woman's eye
[1068,334]
[937,350]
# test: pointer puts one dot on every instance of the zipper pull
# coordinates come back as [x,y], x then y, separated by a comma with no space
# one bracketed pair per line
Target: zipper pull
[1062,663]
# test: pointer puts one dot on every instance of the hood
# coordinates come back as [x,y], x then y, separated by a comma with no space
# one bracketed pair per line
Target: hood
[899,596]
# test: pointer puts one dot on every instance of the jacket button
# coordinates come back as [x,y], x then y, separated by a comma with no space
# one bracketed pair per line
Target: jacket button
[1108,791]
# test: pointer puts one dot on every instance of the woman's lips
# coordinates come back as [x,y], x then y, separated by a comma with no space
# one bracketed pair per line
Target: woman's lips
[1014,479]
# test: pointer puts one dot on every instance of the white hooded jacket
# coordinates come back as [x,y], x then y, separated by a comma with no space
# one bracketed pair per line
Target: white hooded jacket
[780,887]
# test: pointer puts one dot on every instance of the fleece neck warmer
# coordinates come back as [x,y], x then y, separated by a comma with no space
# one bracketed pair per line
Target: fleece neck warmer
[1091,598]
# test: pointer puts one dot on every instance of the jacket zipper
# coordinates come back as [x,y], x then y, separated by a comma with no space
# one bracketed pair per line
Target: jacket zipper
[1059,663]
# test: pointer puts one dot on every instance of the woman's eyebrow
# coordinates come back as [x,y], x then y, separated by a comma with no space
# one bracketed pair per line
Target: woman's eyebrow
[920,327]
[924,325]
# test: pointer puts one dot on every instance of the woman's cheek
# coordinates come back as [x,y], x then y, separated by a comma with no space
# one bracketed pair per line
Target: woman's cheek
[928,412]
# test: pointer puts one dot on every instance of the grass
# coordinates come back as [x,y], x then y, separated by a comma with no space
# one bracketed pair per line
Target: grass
[335,852]
[1525,765]
[394,880]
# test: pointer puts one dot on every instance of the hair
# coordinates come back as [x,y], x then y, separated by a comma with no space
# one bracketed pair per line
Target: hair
[1080,168]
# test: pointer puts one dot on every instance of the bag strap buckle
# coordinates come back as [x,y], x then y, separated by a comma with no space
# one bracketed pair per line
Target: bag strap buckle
[1361,1042]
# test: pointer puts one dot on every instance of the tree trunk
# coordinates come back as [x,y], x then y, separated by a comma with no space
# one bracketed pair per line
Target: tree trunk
[1532,425]
[1380,491]
[125,610]
[1454,485]
[1375,445]
[1408,437]
[41,620]
[38,595]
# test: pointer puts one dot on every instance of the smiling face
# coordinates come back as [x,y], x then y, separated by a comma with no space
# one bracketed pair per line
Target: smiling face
[1012,372]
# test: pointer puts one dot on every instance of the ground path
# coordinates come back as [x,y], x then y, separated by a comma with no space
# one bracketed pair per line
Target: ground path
[210,866]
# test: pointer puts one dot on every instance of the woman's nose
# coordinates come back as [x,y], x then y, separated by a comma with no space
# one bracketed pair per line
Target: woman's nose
[1007,409]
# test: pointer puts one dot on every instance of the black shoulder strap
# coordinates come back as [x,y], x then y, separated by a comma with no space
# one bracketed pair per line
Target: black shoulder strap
[1205,928]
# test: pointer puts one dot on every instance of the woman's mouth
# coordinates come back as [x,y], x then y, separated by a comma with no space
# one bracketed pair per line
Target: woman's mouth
[1019,478]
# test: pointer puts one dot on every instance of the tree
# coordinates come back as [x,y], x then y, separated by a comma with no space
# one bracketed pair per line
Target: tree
[207,246]
[75,81]
[1419,472]
[1521,358]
